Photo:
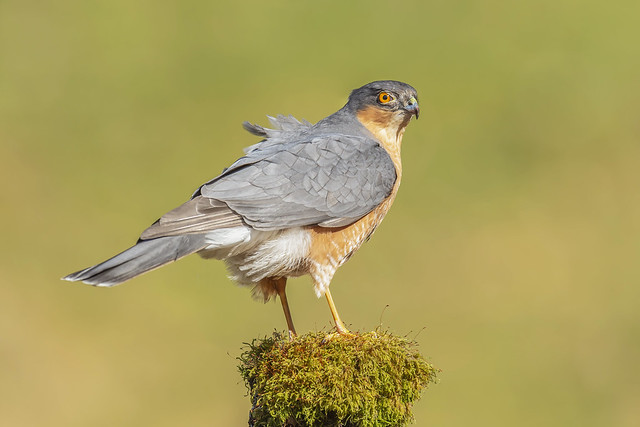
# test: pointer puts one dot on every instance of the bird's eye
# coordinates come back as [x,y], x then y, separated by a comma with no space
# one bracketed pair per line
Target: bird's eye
[385,98]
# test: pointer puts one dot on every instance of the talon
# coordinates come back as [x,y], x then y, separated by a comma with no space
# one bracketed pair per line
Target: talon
[342,329]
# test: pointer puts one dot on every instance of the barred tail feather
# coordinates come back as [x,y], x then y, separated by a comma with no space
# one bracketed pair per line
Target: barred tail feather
[146,255]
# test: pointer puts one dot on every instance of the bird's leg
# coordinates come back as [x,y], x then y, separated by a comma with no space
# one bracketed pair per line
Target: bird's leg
[281,284]
[340,326]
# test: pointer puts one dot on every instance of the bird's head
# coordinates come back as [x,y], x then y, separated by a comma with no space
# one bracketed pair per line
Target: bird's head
[385,107]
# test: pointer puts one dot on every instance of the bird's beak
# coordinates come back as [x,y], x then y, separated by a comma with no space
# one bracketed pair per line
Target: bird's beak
[412,106]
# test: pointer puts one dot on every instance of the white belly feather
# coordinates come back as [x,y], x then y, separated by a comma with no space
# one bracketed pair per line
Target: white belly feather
[251,255]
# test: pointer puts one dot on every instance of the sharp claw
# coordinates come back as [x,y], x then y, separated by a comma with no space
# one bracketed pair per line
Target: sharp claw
[342,329]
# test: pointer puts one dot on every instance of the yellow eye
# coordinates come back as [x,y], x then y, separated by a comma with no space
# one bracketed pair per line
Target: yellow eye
[384,98]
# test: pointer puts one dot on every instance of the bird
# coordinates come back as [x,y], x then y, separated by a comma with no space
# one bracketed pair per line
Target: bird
[299,202]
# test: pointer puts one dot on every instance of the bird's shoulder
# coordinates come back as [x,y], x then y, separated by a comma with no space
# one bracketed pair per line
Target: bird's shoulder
[298,144]
[319,175]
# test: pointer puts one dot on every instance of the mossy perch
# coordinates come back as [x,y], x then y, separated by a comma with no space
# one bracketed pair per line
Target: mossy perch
[333,380]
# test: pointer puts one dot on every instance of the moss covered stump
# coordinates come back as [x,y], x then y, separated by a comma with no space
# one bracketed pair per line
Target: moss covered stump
[317,379]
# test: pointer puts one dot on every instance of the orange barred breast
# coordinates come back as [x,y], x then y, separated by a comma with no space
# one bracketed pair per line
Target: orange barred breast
[331,247]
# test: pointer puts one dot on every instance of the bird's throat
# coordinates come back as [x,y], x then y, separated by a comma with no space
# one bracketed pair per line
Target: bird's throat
[388,127]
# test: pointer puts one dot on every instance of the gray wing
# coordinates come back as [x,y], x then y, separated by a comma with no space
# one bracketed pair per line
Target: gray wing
[196,216]
[200,214]
[330,180]
[285,129]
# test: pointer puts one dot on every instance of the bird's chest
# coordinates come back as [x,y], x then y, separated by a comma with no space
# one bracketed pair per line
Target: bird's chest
[330,247]
[335,246]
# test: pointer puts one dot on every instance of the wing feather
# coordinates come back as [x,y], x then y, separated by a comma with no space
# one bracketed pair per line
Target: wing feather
[292,178]
[198,215]
[330,180]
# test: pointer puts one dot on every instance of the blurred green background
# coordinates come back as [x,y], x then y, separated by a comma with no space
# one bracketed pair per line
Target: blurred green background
[512,251]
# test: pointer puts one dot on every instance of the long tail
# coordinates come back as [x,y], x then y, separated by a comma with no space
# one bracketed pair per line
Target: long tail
[140,258]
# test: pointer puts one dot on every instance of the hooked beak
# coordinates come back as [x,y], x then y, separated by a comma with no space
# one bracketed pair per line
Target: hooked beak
[413,107]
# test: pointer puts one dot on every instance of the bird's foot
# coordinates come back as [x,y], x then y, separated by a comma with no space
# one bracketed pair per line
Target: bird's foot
[342,332]
[337,335]
[342,328]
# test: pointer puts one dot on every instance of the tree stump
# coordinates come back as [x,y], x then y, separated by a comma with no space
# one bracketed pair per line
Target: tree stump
[322,379]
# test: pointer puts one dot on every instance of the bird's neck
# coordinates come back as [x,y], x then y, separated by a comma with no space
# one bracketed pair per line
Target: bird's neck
[388,128]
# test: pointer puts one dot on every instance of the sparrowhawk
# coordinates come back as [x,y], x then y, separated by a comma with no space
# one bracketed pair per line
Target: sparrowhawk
[300,201]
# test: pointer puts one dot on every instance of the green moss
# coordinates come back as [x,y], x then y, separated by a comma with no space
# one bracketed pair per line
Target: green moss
[332,380]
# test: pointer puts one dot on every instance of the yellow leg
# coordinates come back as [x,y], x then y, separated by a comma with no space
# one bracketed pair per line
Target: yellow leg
[281,284]
[342,329]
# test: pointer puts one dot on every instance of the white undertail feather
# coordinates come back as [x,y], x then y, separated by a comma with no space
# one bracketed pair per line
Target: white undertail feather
[227,238]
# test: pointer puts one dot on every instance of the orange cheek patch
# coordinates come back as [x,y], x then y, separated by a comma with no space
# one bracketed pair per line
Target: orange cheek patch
[375,118]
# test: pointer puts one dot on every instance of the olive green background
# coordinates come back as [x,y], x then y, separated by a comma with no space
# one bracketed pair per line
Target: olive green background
[512,251]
